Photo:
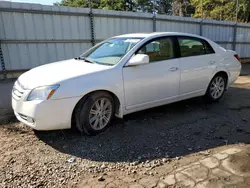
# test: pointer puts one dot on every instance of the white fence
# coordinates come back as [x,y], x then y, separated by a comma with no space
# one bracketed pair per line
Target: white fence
[33,34]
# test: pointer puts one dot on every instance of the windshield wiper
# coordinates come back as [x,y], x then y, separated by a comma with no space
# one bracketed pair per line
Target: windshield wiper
[108,64]
[85,59]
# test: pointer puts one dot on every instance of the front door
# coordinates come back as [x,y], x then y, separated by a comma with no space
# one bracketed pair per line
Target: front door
[150,84]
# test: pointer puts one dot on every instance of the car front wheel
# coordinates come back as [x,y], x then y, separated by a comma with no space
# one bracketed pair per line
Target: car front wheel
[94,114]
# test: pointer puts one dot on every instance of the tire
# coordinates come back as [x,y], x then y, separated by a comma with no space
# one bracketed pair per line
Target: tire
[216,88]
[90,118]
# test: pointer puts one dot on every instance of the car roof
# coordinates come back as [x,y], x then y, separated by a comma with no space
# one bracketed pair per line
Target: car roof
[157,34]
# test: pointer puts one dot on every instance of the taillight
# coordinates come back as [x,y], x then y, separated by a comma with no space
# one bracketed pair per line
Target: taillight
[237,57]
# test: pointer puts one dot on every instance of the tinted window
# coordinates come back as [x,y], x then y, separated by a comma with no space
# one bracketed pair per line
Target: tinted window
[208,48]
[159,49]
[191,47]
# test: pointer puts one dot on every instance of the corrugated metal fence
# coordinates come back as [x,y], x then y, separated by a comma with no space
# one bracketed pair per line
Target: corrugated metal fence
[33,34]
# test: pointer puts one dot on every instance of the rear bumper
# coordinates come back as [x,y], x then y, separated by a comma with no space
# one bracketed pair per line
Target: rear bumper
[45,115]
[234,74]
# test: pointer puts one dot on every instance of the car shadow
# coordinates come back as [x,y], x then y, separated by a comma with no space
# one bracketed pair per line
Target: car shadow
[172,130]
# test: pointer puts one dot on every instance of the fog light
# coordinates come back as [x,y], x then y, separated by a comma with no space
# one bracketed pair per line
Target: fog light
[30,120]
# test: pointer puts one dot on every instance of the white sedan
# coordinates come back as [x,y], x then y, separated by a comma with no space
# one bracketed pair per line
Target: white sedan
[121,75]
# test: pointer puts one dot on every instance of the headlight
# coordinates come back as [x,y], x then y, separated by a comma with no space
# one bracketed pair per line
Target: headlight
[42,93]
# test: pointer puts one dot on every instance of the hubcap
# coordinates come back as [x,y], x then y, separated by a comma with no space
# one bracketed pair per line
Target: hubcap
[100,113]
[217,87]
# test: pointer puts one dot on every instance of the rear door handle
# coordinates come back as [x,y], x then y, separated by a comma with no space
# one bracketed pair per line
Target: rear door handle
[212,62]
[172,69]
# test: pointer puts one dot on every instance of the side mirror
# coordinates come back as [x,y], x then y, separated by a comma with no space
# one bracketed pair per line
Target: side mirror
[138,59]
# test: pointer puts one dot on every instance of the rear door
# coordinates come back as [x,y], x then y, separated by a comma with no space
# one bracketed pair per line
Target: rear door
[197,64]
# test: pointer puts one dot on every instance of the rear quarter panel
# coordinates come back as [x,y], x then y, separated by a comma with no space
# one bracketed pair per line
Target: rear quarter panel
[227,63]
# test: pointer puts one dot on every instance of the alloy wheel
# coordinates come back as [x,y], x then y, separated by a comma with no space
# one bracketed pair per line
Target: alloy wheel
[100,113]
[217,87]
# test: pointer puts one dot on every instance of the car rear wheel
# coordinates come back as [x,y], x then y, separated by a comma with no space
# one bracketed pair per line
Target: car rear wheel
[94,114]
[216,88]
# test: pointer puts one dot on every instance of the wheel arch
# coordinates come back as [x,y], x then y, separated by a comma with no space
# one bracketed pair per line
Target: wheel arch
[224,73]
[118,108]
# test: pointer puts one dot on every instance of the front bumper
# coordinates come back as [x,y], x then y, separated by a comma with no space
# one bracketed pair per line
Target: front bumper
[45,115]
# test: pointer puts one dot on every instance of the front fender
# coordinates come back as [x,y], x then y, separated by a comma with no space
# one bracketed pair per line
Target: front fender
[110,81]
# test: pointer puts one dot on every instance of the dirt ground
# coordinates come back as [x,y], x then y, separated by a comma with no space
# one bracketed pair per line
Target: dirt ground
[143,146]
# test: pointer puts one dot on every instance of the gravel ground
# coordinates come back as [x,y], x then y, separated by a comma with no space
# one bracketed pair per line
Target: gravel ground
[135,145]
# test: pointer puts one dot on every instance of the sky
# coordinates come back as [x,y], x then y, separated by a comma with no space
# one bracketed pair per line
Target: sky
[44,2]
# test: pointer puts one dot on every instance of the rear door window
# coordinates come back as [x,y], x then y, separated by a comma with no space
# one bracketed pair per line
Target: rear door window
[190,46]
[208,48]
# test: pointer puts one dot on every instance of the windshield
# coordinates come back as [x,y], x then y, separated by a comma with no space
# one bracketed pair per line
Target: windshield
[111,51]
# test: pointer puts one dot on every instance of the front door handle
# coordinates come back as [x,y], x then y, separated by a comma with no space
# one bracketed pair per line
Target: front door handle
[172,69]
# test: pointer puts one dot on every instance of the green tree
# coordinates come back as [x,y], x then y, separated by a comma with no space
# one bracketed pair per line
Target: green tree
[123,5]
[79,3]
[175,7]
[244,11]
[162,6]
[182,8]
[222,9]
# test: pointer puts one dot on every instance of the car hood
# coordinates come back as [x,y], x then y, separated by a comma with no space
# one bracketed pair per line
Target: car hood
[54,73]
